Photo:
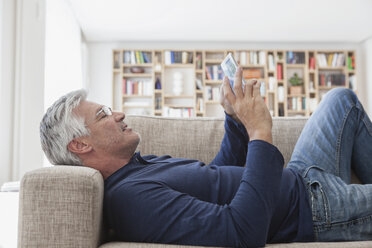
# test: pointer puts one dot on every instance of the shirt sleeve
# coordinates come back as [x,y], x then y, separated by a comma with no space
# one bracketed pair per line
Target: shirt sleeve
[234,146]
[146,211]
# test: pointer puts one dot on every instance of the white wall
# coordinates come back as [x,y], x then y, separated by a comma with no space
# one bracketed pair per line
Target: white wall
[7,54]
[63,53]
[63,56]
[367,67]
[29,86]
[100,67]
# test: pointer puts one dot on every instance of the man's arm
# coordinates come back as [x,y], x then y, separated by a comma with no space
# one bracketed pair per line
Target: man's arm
[147,211]
[233,150]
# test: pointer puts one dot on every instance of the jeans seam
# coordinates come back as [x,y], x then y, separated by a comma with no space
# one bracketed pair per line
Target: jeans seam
[338,142]
[318,227]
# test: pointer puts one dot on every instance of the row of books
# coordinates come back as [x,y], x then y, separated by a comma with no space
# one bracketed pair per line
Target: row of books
[214,72]
[331,59]
[137,57]
[178,112]
[137,87]
[251,58]
[295,57]
[212,93]
[176,57]
[297,103]
[331,79]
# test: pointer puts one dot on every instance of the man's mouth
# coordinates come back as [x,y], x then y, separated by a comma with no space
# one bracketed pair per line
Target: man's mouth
[124,127]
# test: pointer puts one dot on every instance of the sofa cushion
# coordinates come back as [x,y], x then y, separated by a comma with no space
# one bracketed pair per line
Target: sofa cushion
[200,138]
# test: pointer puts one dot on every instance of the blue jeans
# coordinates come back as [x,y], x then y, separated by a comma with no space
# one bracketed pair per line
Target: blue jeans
[336,138]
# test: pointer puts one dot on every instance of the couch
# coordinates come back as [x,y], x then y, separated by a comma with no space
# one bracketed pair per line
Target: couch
[61,206]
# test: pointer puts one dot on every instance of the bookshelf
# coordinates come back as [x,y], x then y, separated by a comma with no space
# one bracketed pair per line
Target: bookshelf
[186,83]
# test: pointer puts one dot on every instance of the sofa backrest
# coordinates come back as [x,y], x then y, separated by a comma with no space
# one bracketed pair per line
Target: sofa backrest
[200,138]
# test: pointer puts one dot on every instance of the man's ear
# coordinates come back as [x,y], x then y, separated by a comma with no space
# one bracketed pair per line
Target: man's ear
[79,146]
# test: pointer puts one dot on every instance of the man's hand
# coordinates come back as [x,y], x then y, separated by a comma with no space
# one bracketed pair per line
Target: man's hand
[249,107]
[226,105]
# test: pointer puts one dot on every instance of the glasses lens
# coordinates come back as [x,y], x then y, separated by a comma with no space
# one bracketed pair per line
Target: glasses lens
[107,110]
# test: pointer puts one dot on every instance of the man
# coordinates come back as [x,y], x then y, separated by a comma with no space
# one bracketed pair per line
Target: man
[244,197]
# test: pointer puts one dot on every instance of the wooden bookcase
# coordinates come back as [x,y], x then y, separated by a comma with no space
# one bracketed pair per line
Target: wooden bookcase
[145,81]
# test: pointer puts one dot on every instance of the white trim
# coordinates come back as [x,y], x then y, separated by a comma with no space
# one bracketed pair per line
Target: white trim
[17,91]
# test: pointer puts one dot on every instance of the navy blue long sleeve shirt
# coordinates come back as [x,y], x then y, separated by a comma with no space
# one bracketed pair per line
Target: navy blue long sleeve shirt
[182,201]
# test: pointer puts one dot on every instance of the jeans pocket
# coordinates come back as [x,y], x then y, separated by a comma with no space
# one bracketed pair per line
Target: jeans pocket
[319,204]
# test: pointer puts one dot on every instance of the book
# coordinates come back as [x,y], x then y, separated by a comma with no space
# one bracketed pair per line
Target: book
[124,86]
[262,58]
[207,73]
[271,62]
[167,57]
[133,57]
[243,58]
[184,57]
[215,93]
[279,72]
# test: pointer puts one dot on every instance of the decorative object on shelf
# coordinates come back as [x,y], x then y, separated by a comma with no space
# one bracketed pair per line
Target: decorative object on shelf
[296,83]
[157,84]
[116,61]
[177,83]
[137,70]
[199,84]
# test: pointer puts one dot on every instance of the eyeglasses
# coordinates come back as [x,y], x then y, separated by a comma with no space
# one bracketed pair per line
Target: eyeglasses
[102,113]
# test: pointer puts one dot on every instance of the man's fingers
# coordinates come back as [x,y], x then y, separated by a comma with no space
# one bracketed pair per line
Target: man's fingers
[238,83]
[248,88]
[229,95]
[256,88]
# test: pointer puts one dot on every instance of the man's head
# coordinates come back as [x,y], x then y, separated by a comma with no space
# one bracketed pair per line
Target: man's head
[79,132]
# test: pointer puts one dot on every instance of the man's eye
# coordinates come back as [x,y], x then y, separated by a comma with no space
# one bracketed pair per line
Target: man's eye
[102,116]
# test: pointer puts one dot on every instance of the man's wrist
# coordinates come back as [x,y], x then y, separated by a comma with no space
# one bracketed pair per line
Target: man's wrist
[264,135]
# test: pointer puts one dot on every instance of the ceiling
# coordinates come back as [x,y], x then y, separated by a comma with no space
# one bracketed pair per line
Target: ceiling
[225,20]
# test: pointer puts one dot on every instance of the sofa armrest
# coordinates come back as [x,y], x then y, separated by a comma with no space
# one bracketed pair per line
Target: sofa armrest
[60,206]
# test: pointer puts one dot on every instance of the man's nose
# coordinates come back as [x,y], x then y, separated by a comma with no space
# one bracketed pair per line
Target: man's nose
[119,116]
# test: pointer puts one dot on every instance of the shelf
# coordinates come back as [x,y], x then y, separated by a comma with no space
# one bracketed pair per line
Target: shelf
[199,71]
[116,70]
[296,65]
[158,91]
[212,102]
[296,95]
[158,111]
[213,61]
[137,96]
[351,71]
[331,68]
[181,96]
[199,91]
[138,65]
[179,66]
[252,66]
[296,111]
[136,106]
[213,81]
[179,106]
[329,88]
[137,75]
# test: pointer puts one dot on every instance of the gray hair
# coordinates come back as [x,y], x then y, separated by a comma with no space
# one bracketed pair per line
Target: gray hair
[60,125]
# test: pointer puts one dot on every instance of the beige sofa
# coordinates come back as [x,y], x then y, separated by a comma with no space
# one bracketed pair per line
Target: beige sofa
[61,206]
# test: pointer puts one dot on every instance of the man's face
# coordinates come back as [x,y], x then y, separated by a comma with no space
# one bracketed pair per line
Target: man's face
[109,135]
